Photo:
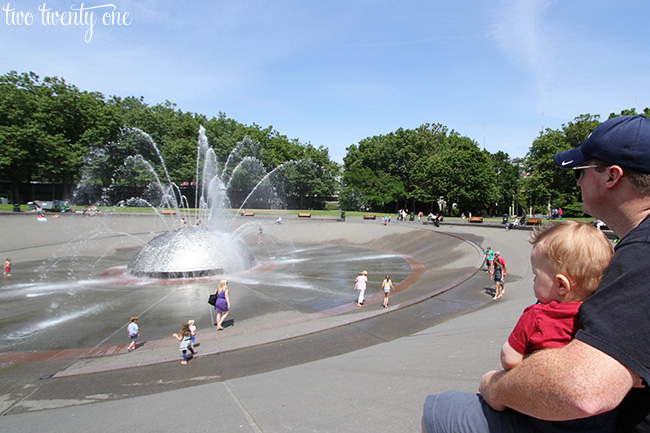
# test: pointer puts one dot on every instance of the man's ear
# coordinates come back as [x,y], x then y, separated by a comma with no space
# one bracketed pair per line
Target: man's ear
[614,174]
[564,285]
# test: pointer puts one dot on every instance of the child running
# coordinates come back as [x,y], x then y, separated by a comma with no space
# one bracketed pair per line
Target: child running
[185,337]
[568,261]
[133,330]
[7,268]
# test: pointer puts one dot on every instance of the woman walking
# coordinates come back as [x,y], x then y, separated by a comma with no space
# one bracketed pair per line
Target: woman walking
[387,287]
[222,304]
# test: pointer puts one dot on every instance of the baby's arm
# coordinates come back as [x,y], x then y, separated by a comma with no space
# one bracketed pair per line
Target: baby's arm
[510,358]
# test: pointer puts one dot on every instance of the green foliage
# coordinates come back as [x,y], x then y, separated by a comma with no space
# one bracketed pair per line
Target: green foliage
[50,129]
[418,169]
[573,210]
[549,185]
[45,128]
[508,182]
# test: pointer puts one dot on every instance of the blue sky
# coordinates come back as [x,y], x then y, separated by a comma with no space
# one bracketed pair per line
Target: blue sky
[334,72]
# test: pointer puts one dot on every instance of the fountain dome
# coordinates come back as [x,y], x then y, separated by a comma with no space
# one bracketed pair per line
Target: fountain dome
[191,252]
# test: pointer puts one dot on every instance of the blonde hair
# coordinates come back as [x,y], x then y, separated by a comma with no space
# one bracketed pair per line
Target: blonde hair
[222,286]
[185,329]
[579,251]
[190,322]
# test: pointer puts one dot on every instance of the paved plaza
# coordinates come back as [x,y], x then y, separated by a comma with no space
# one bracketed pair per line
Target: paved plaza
[292,359]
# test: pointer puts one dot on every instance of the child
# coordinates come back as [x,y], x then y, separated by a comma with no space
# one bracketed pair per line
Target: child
[497,274]
[185,337]
[360,285]
[489,257]
[387,287]
[190,323]
[133,330]
[7,267]
[568,261]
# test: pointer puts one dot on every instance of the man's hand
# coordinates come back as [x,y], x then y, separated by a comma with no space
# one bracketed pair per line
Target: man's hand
[485,389]
[573,382]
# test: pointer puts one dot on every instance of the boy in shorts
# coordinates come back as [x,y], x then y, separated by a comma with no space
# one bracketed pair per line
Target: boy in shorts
[134,331]
[568,261]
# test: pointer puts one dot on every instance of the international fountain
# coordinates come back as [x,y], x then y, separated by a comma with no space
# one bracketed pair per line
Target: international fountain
[77,280]
[82,278]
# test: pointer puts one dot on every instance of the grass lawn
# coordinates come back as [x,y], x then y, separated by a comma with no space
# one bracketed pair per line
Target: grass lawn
[315,213]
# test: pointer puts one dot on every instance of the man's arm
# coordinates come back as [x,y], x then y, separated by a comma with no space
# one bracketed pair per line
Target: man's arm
[573,382]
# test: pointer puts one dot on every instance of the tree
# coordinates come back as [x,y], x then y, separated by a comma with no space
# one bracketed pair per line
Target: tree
[415,168]
[46,126]
[469,179]
[508,180]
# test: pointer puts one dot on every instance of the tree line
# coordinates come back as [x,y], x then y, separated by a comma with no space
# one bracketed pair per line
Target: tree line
[49,130]
[433,169]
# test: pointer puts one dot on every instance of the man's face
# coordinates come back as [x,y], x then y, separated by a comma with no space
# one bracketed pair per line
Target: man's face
[590,183]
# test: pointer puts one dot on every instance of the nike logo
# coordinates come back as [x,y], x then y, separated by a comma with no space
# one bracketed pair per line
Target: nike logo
[566,162]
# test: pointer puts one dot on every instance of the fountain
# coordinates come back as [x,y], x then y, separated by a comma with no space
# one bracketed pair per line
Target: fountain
[208,246]
[77,281]
[192,252]
[73,269]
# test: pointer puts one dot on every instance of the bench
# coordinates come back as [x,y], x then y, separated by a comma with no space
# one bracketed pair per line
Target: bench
[533,221]
[168,212]
[248,214]
[304,215]
[476,219]
[369,217]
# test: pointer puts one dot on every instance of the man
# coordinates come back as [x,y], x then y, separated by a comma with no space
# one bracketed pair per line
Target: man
[607,365]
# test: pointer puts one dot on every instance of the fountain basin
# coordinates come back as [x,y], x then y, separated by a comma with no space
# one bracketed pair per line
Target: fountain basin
[191,252]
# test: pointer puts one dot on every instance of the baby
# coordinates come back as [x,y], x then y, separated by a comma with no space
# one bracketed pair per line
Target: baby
[568,260]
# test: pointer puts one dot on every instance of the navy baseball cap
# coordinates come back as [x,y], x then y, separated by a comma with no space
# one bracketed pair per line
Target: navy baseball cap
[623,141]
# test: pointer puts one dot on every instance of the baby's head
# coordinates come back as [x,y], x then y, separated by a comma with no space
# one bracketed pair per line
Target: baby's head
[569,259]
[190,322]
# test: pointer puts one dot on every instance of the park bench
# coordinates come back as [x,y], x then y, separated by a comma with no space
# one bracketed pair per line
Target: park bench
[304,215]
[533,221]
[476,219]
[168,212]
[369,217]
[248,214]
